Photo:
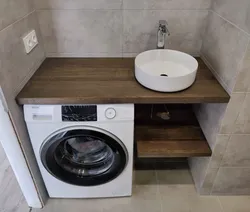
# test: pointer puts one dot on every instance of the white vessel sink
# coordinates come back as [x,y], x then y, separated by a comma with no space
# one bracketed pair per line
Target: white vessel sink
[165,70]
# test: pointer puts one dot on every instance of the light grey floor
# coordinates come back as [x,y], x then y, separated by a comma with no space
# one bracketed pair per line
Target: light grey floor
[155,191]
[11,197]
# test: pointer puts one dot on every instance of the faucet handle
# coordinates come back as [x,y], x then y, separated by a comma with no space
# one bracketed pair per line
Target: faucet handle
[163,23]
[163,26]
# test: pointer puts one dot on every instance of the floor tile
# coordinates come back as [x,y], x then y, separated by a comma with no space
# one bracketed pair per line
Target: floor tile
[145,198]
[235,203]
[168,177]
[145,177]
[184,198]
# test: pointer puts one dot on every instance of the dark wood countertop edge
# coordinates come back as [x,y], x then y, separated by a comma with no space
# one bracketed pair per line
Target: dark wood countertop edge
[56,101]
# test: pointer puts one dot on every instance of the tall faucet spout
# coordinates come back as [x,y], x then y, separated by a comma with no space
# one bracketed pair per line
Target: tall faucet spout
[161,34]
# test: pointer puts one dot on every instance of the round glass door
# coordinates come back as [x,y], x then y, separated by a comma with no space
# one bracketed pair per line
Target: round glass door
[84,157]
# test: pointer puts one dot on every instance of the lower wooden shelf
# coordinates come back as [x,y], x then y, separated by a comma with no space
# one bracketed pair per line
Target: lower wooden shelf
[171,141]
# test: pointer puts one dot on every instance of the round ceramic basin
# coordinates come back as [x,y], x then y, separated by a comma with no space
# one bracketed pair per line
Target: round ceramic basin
[165,70]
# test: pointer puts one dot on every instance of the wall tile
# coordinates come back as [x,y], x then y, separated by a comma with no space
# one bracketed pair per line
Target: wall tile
[185,35]
[229,9]
[2,155]
[87,31]
[204,169]
[198,167]
[234,107]
[237,152]
[218,151]
[209,117]
[224,46]
[234,181]
[208,182]
[12,10]
[12,49]
[78,4]
[176,4]
[243,79]
[242,124]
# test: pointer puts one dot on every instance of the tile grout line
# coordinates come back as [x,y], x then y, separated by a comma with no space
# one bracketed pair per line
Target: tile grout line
[221,206]
[235,167]
[240,64]
[122,11]
[230,135]
[158,189]
[220,163]
[42,40]
[28,75]
[18,20]
[230,22]
[216,75]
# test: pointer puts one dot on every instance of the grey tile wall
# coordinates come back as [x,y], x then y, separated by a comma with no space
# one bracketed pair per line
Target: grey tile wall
[166,5]
[82,32]
[243,79]
[237,12]
[210,117]
[140,27]
[232,112]
[119,28]
[242,123]
[226,50]
[78,4]
[237,152]
[232,181]
[224,47]
[16,65]
[13,10]
[17,17]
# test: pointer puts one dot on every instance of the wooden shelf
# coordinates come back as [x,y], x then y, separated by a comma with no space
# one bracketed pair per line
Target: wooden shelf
[155,141]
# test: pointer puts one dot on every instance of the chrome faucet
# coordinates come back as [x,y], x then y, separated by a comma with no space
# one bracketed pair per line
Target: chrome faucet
[161,34]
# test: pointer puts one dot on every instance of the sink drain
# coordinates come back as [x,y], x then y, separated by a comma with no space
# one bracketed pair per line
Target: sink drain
[164,75]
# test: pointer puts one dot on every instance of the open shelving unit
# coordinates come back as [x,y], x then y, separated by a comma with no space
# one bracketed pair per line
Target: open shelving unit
[178,137]
[171,141]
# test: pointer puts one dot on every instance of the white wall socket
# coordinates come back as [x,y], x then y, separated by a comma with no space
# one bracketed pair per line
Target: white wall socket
[30,41]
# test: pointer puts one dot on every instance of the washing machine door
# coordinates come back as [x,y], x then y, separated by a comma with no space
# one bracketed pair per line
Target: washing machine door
[87,156]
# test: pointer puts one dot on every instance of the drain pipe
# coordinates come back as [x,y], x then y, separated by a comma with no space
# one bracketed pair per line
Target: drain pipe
[15,156]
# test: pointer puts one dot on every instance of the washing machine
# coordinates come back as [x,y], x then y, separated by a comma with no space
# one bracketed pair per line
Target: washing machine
[83,151]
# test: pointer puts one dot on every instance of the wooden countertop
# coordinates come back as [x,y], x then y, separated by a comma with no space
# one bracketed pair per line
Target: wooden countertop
[109,80]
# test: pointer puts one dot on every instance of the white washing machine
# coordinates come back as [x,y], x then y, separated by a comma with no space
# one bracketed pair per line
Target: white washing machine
[83,151]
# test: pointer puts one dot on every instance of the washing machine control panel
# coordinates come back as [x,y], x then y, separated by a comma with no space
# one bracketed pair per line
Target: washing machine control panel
[79,113]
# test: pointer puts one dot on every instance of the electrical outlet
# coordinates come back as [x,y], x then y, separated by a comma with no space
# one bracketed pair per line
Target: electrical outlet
[30,41]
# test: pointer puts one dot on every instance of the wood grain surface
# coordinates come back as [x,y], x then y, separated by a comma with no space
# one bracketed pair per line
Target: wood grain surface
[109,80]
[171,141]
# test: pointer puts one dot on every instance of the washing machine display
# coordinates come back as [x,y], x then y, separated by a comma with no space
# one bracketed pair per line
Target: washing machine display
[79,113]
[87,157]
